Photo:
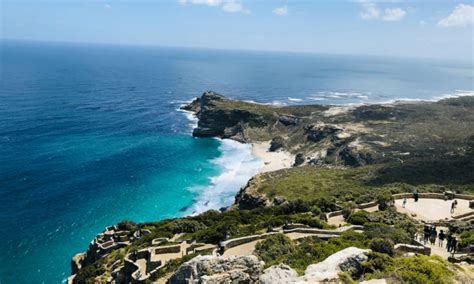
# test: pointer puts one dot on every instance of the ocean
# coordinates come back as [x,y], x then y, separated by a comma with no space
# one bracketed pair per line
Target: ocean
[91,134]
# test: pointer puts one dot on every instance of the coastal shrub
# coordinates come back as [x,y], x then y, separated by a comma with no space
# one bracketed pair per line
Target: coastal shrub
[407,226]
[127,225]
[414,269]
[326,204]
[186,226]
[358,217]
[307,220]
[380,230]
[467,238]
[382,246]
[347,211]
[273,247]
[86,274]
[384,200]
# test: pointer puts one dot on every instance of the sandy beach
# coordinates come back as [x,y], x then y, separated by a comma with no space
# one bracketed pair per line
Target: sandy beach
[272,160]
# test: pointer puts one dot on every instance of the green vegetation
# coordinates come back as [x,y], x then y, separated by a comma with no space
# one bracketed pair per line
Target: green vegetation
[357,185]
[415,269]
[467,238]
[274,247]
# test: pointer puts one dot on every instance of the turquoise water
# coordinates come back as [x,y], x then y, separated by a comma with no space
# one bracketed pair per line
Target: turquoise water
[90,134]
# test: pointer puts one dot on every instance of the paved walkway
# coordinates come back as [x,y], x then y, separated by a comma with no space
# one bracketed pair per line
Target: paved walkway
[427,209]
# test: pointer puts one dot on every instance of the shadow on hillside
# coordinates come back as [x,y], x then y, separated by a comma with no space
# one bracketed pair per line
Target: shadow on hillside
[453,171]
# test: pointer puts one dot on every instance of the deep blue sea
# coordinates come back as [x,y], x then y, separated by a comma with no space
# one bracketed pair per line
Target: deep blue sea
[90,134]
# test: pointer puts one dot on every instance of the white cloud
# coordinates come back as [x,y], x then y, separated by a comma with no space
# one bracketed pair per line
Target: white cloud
[230,6]
[234,6]
[462,16]
[395,14]
[280,11]
[107,6]
[422,23]
[370,11]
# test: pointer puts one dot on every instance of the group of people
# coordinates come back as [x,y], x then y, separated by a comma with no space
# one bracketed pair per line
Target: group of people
[430,234]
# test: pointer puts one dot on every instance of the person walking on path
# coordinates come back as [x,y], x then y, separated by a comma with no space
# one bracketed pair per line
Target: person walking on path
[441,238]
[450,242]
[454,245]
[433,235]
[426,234]
[452,206]
[404,202]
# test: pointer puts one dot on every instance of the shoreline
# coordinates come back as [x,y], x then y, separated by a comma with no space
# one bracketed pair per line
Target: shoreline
[272,161]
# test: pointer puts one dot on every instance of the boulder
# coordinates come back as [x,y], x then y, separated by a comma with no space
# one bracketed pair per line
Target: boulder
[316,133]
[347,260]
[279,274]
[217,269]
[288,120]
[299,159]
[276,143]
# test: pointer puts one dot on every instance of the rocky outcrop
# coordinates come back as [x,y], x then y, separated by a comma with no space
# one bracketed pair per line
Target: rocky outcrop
[217,121]
[299,159]
[276,143]
[216,270]
[279,274]
[316,133]
[288,120]
[347,260]
[247,199]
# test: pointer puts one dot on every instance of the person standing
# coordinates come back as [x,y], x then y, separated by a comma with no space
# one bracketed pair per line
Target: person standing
[450,242]
[433,235]
[454,245]
[404,202]
[441,238]
[452,207]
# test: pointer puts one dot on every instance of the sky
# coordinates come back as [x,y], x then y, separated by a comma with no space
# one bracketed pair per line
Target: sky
[436,28]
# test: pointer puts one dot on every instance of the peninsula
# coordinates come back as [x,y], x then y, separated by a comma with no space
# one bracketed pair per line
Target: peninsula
[347,194]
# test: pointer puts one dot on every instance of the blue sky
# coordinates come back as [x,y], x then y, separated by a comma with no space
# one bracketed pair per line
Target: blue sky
[441,29]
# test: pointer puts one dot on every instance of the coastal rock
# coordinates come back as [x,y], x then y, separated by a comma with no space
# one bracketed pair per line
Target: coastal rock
[217,121]
[299,159]
[279,274]
[317,133]
[347,260]
[213,269]
[288,120]
[276,143]
[194,106]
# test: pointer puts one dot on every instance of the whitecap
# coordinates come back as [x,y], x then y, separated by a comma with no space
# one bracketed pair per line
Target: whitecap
[237,165]
[295,99]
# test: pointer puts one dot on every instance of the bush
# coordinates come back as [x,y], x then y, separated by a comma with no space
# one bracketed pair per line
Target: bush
[126,225]
[467,238]
[346,212]
[273,247]
[358,218]
[380,230]
[186,226]
[416,269]
[384,200]
[382,246]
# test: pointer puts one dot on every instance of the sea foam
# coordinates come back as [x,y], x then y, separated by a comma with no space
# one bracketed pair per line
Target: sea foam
[237,166]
